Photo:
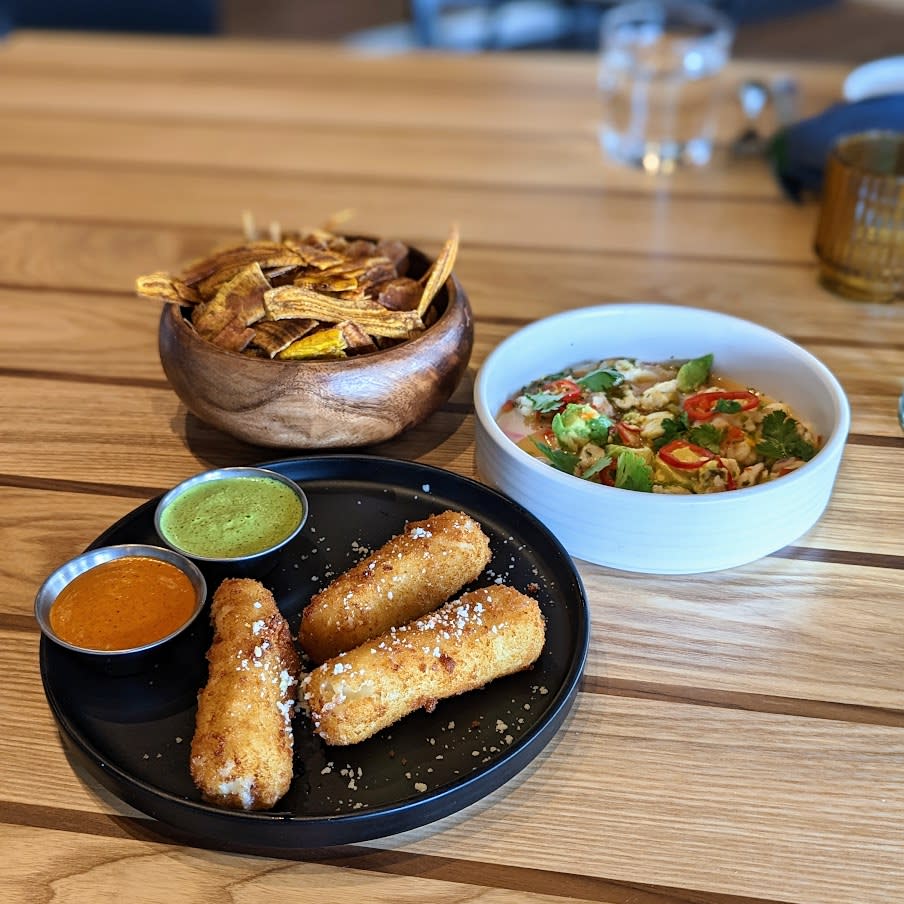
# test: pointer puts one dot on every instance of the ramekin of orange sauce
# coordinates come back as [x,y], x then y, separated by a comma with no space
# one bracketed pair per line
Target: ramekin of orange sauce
[120,599]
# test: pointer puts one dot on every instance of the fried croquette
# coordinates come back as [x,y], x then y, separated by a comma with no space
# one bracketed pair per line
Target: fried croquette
[412,574]
[469,642]
[241,752]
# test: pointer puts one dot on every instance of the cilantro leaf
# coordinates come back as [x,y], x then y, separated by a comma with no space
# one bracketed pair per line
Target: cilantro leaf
[673,428]
[602,462]
[781,439]
[563,461]
[633,473]
[693,373]
[544,402]
[727,406]
[707,435]
[600,380]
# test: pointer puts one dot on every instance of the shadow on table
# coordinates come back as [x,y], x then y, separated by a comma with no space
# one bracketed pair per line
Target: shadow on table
[216,449]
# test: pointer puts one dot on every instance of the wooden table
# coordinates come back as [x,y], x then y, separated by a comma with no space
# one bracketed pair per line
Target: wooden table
[737,737]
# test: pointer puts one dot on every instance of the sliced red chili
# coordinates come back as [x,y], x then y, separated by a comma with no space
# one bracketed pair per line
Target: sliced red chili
[702,405]
[729,479]
[607,475]
[568,389]
[684,455]
[688,457]
[628,434]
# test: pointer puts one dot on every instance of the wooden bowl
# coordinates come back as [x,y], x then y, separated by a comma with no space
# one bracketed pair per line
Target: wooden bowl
[355,401]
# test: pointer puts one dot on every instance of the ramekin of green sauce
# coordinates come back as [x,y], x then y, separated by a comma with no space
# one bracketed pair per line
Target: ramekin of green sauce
[235,516]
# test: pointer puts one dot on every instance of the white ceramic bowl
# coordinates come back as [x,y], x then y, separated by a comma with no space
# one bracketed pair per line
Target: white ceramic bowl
[660,533]
[874,79]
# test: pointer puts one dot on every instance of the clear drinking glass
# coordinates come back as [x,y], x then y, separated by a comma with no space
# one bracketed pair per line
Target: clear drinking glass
[660,62]
[860,231]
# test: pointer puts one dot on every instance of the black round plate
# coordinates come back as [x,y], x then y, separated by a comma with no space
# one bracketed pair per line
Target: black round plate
[133,732]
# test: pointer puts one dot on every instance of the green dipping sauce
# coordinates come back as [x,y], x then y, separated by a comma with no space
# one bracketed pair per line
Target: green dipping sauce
[231,517]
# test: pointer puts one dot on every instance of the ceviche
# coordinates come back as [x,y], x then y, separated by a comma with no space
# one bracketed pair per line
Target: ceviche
[660,427]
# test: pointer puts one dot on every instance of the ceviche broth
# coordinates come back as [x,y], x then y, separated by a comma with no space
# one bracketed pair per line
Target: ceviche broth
[672,426]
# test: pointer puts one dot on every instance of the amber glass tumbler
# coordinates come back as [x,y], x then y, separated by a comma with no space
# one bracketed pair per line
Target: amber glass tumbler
[860,231]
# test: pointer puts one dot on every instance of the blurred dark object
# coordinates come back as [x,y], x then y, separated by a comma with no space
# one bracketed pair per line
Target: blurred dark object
[195,17]
[798,152]
[562,24]
[851,31]
[427,16]
[320,21]
[479,25]
[746,11]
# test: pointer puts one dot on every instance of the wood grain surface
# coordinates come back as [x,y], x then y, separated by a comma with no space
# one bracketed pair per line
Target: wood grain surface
[738,737]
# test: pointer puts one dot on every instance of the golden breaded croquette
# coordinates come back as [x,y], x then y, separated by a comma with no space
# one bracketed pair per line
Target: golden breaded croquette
[412,574]
[469,642]
[241,752]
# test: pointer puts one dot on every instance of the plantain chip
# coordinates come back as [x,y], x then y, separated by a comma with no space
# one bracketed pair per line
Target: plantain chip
[284,258]
[240,298]
[400,294]
[232,259]
[274,335]
[327,282]
[360,248]
[303,294]
[440,271]
[297,301]
[379,271]
[313,256]
[397,252]
[357,340]
[328,343]
[235,336]
[166,288]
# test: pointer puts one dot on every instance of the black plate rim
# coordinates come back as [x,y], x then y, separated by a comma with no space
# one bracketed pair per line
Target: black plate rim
[377,821]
